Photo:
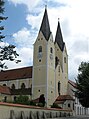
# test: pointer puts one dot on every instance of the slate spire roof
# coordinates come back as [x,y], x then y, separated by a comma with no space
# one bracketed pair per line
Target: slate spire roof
[59,38]
[45,27]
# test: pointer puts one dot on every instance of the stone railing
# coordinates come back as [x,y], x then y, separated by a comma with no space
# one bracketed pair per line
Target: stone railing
[17,111]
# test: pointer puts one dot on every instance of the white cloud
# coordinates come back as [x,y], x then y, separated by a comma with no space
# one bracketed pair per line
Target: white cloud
[3,44]
[26,57]
[74,20]
[24,38]
[31,5]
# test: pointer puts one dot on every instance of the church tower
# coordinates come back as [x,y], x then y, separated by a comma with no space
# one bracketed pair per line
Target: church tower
[61,63]
[43,81]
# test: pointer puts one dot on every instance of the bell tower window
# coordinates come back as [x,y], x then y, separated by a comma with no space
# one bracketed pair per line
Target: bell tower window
[56,61]
[40,49]
[64,59]
[51,50]
[59,87]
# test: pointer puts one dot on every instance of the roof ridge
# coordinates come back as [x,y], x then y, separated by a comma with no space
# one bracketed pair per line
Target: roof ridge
[16,69]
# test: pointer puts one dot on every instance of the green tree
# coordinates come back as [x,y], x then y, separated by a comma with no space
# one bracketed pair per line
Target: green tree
[7,52]
[83,84]
[22,100]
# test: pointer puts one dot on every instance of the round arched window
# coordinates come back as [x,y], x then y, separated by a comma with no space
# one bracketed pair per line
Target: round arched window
[13,86]
[40,49]
[22,86]
[51,50]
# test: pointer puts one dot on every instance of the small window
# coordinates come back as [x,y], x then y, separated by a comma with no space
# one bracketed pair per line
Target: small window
[4,84]
[68,105]
[15,98]
[40,49]
[22,86]
[51,91]
[51,50]
[40,60]
[64,59]
[59,69]
[13,86]
[56,61]
[59,87]
[5,99]
[38,90]
[73,106]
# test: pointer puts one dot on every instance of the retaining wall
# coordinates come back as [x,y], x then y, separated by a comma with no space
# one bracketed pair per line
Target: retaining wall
[17,111]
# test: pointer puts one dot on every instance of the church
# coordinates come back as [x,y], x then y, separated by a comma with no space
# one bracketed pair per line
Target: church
[48,75]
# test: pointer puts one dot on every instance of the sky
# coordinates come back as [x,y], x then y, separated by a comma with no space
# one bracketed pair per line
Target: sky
[24,20]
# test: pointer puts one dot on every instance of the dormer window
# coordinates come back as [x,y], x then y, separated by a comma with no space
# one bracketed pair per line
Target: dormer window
[40,49]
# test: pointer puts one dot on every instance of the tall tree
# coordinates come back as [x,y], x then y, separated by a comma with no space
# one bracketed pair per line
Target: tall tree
[7,52]
[83,84]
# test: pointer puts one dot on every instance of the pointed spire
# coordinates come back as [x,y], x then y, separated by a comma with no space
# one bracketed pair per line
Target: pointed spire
[59,38]
[45,27]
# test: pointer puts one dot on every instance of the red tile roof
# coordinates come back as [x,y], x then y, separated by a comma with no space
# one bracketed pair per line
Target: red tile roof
[5,90]
[59,102]
[72,83]
[36,100]
[64,97]
[13,74]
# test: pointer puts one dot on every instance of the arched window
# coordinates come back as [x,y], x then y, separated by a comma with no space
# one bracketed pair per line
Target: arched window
[68,104]
[5,99]
[64,59]
[4,84]
[13,86]
[22,86]
[59,87]
[51,50]
[15,98]
[56,61]
[40,49]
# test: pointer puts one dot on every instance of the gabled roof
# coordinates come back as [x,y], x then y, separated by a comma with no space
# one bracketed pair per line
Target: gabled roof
[62,98]
[45,27]
[72,83]
[59,38]
[5,90]
[20,73]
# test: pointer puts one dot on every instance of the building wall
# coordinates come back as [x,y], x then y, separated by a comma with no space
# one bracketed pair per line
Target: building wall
[61,70]
[18,83]
[65,70]
[78,108]
[44,69]
[12,111]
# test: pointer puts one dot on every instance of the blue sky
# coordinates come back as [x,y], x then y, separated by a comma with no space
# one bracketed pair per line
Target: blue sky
[24,20]
[16,18]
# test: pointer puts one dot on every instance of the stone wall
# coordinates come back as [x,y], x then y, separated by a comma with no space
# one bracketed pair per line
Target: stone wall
[17,111]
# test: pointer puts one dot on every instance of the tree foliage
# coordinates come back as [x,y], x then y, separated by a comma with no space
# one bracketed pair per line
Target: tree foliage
[22,100]
[83,84]
[7,52]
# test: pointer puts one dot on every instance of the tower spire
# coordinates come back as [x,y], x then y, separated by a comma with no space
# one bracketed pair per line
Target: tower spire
[45,27]
[59,38]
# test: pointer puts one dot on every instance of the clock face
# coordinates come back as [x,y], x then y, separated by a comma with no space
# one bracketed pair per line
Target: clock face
[39,55]
[51,56]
